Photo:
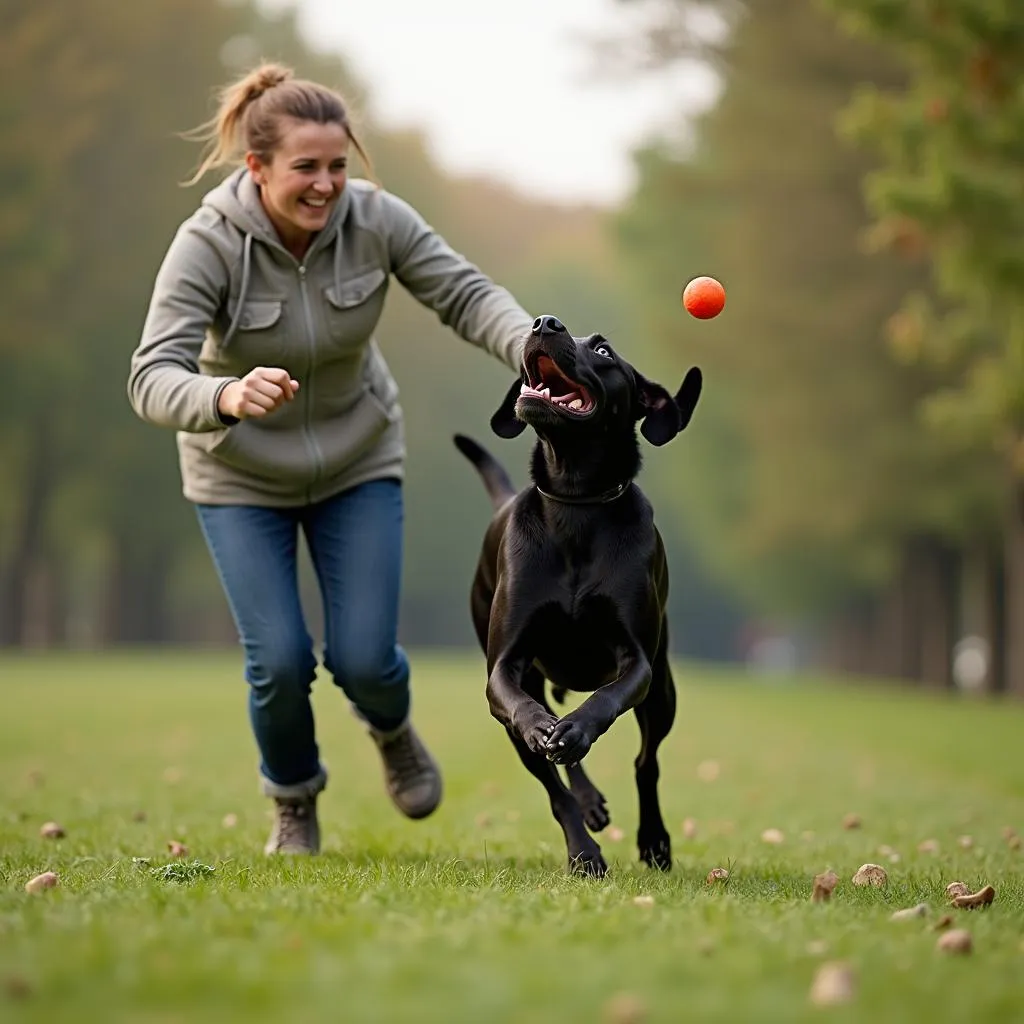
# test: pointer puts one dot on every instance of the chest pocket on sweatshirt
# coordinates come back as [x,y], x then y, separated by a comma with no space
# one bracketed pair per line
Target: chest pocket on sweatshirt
[260,337]
[353,309]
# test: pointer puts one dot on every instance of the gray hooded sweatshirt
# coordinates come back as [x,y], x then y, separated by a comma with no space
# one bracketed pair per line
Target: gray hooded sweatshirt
[229,297]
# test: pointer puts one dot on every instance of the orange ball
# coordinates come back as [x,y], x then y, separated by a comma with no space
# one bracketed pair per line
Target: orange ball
[704,298]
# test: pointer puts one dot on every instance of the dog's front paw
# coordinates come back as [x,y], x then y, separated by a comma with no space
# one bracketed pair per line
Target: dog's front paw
[569,742]
[537,732]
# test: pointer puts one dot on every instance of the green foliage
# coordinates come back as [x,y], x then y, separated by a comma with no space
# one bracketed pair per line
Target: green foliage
[951,142]
[809,463]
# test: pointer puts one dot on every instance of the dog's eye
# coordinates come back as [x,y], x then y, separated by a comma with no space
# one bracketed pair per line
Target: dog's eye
[602,351]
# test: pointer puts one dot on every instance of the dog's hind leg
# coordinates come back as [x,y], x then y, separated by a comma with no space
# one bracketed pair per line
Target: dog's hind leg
[570,813]
[583,852]
[589,797]
[655,715]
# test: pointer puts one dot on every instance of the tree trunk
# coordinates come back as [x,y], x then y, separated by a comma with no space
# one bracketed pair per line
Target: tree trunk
[1014,592]
[27,537]
[936,613]
[136,606]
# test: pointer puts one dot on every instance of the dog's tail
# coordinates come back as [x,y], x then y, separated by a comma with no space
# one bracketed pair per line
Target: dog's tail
[496,480]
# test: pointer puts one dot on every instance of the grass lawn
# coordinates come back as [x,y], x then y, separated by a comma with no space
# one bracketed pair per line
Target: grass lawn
[470,915]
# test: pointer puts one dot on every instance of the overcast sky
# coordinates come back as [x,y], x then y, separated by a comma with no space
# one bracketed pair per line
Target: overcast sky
[505,88]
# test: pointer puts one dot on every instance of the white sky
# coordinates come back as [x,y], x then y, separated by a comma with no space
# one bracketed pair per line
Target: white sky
[505,87]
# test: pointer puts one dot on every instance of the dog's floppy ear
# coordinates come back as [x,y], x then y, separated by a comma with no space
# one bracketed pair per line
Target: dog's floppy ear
[504,422]
[664,416]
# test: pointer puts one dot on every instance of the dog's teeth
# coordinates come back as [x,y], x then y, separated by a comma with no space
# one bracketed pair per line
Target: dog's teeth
[576,403]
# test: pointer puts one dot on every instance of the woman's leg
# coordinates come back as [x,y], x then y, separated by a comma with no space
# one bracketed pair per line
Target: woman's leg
[254,551]
[355,541]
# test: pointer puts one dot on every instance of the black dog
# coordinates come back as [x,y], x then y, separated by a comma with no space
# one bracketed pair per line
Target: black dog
[572,581]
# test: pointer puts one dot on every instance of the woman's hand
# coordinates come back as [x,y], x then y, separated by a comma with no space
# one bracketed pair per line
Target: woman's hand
[260,391]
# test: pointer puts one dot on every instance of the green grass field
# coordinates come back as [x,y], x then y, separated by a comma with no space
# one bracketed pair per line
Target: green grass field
[470,915]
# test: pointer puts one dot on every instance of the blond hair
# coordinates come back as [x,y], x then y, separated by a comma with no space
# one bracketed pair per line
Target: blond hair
[251,110]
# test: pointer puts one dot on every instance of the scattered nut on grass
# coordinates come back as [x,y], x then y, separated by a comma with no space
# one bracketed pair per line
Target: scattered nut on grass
[17,987]
[689,828]
[484,820]
[981,898]
[644,901]
[51,830]
[966,842]
[928,846]
[870,874]
[230,820]
[177,849]
[943,923]
[773,836]
[824,884]
[1013,842]
[955,889]
[834,983]
[956,941]
[625,1008]
[47,880]
[921,910]
[614,834]
[717,875]
[851,821]
[708,771]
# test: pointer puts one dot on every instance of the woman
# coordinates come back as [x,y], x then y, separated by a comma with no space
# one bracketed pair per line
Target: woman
[258,348]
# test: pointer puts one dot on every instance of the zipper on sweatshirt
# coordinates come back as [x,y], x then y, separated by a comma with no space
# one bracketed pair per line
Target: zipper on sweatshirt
[318,459]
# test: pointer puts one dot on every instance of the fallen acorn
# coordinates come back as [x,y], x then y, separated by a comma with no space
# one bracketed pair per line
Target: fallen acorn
[956,941]
[1013,842]
[229,820]
[971,901]
[851,821]
[717,875]
[928,846]
[614,834]
[834,983]
[870,874]
[47,880]
[773,836]
[824,884]
[955,889]
[943,923]
[625,1008]
[689,828]
[177,849]
[921,910]
[51,830]
[966,842]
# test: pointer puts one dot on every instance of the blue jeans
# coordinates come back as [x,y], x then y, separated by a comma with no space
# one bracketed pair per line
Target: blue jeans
[355,543]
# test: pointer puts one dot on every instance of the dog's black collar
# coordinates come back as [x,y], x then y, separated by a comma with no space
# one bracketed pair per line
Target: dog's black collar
[597,499]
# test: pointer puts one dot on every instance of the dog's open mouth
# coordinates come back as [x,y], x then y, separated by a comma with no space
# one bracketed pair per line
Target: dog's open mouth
[544,380]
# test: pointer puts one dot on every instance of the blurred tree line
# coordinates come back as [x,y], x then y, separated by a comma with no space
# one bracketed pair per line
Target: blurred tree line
[97,546]
[853,477]
[858,189]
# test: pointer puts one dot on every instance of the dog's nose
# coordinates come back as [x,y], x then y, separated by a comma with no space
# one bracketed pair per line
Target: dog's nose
[548,325]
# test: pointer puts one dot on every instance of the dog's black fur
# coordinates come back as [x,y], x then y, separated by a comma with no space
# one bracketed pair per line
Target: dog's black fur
[572,582]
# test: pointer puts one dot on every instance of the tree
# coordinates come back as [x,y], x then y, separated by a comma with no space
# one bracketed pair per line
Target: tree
[951,142]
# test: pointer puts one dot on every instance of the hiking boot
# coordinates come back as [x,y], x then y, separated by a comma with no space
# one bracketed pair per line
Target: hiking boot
[412,776]
[296,828]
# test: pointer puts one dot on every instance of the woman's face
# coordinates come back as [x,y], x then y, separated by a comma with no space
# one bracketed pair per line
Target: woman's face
[301,183]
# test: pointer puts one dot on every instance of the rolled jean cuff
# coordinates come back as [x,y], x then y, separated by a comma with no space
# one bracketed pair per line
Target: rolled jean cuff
[297,791]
